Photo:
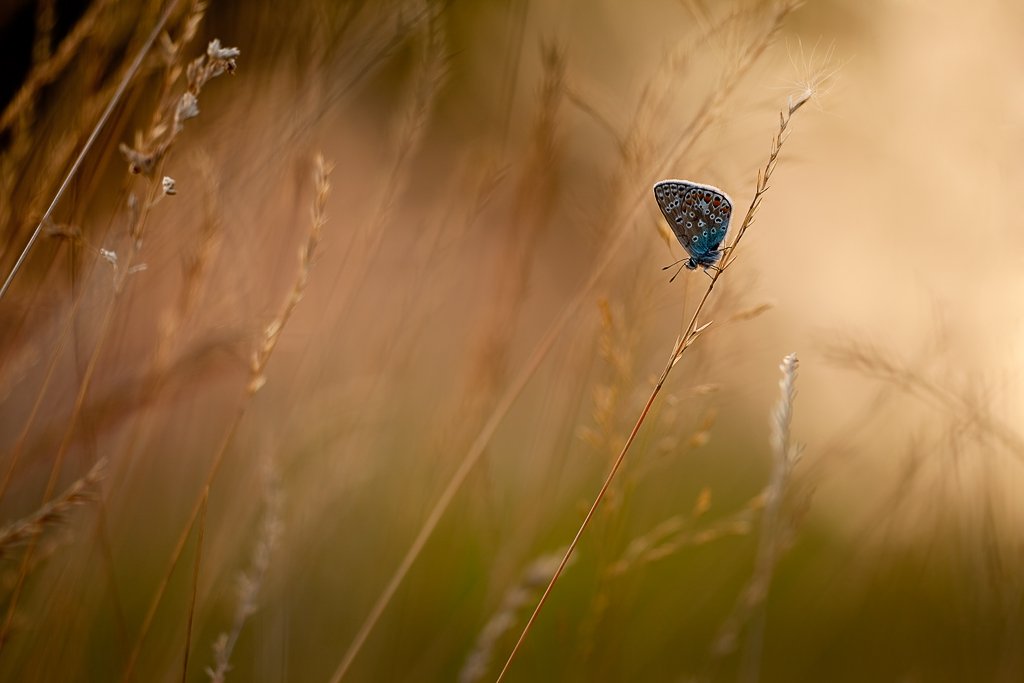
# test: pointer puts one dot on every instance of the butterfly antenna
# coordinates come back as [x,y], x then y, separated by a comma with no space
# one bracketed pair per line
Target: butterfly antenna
[673,264]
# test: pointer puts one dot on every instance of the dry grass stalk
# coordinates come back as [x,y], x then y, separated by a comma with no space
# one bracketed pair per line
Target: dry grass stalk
[26,530]
[355,48]
[194,593]
[749,610]
[616,342]
[785,456]
[656,101]
[960,402]
[307,254]
[258,363]
[712,108]
[251,580]
[429,75]
[533,198]
[751,312]
[532,201]
[785,116]
[29,531]
[689,336]
[518,596]
[529,217]
[676,533]
[195,267]
[152,146]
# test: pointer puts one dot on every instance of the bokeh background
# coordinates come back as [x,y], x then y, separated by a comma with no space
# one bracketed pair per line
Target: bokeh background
[202,481]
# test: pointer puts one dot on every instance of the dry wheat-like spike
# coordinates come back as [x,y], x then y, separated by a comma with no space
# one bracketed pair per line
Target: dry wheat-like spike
[150,148]
[615,347]
[782,416]
[534,577]
[251,580]
[676,533]
[307,253]
[793,105]
[28,529]
[760,189]
[749,610]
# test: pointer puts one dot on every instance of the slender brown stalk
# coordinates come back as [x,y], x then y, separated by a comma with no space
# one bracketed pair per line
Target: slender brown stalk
[689,336]
[195,591]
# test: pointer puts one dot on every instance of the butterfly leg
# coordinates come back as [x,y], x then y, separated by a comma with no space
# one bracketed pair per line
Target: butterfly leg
[671,279]
[673,264]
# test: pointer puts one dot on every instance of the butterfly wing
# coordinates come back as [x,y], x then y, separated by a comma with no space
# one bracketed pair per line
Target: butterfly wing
[698,215]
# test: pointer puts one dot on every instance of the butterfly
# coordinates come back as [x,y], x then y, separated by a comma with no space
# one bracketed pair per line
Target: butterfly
[698,215]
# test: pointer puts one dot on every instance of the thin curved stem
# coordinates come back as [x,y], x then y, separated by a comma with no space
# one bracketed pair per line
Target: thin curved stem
[685,340]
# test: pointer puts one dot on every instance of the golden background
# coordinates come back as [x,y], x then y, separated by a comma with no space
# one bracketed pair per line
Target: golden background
[406,304]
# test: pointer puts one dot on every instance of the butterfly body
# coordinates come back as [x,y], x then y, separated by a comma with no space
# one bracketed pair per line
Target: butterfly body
[699,217]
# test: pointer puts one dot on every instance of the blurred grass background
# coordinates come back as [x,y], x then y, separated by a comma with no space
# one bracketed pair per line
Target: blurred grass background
[488,281]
